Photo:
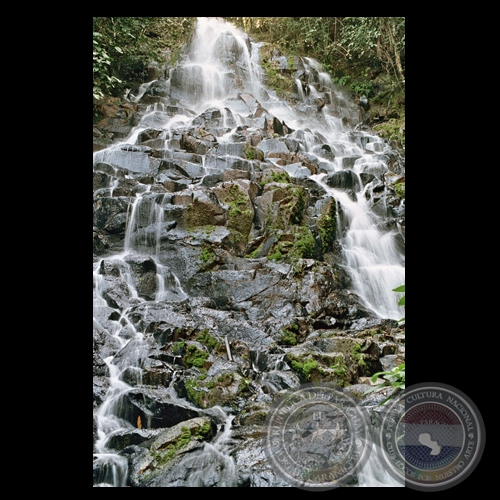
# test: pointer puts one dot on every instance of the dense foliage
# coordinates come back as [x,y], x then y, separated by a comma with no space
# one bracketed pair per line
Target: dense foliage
[124,46]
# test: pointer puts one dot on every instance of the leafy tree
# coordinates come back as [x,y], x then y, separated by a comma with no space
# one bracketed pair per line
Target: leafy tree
[378,41]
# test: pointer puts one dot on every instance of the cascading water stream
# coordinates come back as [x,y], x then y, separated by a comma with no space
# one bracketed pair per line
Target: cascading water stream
[210,48]
[213,464]
[113,468]
[371,256]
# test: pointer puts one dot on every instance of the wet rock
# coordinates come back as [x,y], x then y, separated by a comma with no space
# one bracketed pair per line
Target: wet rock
[162,453]
[345,180]
[205,210]
[110,214]
[124,438]
[240,209]
[155,407]
[100,387]
[275,146]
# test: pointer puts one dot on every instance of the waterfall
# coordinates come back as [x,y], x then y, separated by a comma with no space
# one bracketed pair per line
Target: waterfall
[219,70]
[371,255]
[204,79]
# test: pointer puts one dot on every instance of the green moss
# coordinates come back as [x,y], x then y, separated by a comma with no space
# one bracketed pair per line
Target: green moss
[340,369]
[327,226]
[281,83]
[400,190]
[371,333]
[298,205]
[193,390]
[207,230]
[240,214]
[241,221]
[303,366]
[276,255]
[359,356]
[393,130]
[225,379]
[164,456]
[195,357]
[254,254]
[274,176]
[184,439]
[252,153]
[207,256]
[179,348]
[203,432]
[206,339]
[304,246]
[207,393]
[290,335]
[297,243]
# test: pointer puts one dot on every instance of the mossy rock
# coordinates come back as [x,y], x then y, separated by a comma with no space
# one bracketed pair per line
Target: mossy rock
[174,441]
[283,205]
[241,213]
[327,225]
[223,389]
[340,360]
[204,212]
[296,243]
[274,174]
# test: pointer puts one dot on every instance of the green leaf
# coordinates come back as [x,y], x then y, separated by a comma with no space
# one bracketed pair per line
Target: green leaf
[400,289]
[372,389]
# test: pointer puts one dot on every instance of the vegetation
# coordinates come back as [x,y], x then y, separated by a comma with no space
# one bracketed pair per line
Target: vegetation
[207,256]
[304,367]
[401,289]
[394,378]
[290,335]
[195,357]
[327,227]
[402,300]
[180,443]
[206,339]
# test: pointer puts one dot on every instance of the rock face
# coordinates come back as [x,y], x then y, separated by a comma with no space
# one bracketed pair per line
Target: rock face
[219,271]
